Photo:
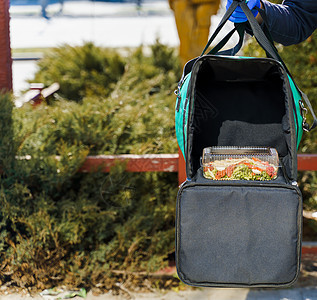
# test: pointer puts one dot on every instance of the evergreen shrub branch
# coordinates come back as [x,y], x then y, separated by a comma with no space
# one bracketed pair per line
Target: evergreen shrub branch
[60,227]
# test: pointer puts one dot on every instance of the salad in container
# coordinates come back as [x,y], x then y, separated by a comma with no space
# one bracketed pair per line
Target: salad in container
[240,163]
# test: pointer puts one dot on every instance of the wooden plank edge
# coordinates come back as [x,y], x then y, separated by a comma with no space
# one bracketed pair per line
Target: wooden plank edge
[309,248]
[134,163]
[307,162]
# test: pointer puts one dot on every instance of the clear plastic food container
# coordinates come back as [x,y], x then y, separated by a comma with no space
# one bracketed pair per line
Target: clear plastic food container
[240,163]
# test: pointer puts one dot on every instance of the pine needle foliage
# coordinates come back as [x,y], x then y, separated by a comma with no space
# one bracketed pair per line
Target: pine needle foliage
[81,71]
[61,227]
[6,134]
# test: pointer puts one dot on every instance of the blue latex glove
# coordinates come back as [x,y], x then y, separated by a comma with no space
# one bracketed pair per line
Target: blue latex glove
[238,15]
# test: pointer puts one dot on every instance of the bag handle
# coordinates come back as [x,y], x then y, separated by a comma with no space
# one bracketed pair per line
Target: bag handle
[264,40]
[257,31]
[240,29]
[259,35]
[222,22]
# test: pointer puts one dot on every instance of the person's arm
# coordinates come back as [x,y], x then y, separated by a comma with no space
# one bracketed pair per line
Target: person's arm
[291,22]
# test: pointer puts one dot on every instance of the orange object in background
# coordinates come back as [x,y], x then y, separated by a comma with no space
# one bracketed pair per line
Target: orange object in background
[193,20]
[181,167]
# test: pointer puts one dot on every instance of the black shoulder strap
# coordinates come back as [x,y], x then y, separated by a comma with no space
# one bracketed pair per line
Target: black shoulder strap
[222,22]
[240,29]
[263,38]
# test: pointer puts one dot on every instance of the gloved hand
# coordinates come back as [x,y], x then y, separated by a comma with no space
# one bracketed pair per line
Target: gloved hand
[238,15]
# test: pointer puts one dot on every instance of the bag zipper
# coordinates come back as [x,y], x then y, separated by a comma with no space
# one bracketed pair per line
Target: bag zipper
[239,183]
[177,92]
[178,99]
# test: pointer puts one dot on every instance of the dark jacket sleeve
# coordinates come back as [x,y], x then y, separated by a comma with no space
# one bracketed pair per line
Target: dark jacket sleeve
[291,22]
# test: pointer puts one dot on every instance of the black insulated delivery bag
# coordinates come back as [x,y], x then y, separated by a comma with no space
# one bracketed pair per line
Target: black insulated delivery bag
[238,233]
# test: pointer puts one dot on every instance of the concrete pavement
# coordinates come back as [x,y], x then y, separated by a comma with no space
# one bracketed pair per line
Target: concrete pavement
[308,293]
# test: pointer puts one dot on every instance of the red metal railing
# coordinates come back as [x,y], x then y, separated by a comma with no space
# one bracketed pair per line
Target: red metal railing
[134,163]
[165,162]
[307,162]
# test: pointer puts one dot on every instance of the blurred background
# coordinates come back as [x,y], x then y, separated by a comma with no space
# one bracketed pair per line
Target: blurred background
[39,24]
[94,79]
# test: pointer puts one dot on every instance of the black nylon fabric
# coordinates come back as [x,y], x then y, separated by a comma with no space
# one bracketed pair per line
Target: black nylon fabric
[239,102]
[235,235]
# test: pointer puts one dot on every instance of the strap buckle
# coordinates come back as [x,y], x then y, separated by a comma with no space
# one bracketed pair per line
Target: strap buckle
[304,113]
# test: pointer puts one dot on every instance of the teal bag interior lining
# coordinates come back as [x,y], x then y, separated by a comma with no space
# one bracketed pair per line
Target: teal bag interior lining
[181,114]
[297,111]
